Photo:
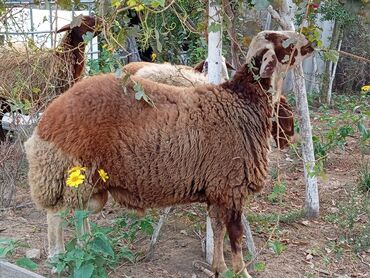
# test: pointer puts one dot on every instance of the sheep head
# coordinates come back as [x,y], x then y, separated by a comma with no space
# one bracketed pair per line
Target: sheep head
[280,51]
[80,25]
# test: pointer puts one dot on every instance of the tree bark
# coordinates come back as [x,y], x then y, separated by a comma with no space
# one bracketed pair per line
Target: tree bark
[214,77]
[329,64]
[332,76]
[231,31]
[312,206]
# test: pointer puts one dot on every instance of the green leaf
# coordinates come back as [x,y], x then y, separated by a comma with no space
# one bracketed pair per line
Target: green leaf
[118,73]
[101,244]
[26,263]
[227,274]
[139,91]
[146,226]
[85,271]
[363,130]
[116,3]
[260,4]
[159,45]
[157,3]
[127,254]
[80,216]
[331,55]
[6,246]
[88,37]
[214,27]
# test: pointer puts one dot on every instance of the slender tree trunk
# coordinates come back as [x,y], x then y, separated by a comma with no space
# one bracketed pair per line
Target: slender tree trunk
[329,64]
[312,207]
[332,76]
[231,31]
[214,77]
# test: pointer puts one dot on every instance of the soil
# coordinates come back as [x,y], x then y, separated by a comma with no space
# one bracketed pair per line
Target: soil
[311,246]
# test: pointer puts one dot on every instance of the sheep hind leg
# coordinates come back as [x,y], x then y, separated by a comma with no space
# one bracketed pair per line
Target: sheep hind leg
[55,234]
[235,230]
[219,230]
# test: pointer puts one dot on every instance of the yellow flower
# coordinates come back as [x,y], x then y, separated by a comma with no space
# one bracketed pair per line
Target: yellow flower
[75,178]
[153,56]
[365,88]
[135,5]
[103,175]
[77,168]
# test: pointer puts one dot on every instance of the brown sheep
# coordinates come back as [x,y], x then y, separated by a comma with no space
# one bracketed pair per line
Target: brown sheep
[50,73]
[205,144]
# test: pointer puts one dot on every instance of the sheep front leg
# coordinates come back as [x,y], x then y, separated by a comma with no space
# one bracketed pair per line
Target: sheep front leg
[219,229]
[235,230]
[55,234]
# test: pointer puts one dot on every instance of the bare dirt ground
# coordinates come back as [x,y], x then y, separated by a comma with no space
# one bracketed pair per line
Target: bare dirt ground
[312,248]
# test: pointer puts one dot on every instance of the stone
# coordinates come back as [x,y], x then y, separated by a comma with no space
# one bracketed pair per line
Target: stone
[33,254]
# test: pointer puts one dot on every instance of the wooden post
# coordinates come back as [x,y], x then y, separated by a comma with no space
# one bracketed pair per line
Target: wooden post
[10,270]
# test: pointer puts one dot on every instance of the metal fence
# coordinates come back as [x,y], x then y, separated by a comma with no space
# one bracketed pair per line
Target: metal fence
[39,20]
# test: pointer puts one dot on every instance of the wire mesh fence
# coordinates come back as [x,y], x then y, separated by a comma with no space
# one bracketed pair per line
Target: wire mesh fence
[36,22]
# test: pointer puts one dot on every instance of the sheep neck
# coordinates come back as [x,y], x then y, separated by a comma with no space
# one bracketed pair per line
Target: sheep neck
[73,52]
[245,85]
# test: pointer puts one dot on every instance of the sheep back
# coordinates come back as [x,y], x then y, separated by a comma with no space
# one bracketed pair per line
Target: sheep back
[195,145]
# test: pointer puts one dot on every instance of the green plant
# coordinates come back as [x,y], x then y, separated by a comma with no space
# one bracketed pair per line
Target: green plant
[26,263]
[364,179]
[90,254]
[277,193]
[7,246]
[353,217]
[86,255]
[276,246]
[230,274]
[259,266]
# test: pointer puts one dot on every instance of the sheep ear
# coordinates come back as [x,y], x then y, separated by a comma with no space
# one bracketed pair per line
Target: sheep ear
[199,67]
[64,28]
[268,66]
[229,66]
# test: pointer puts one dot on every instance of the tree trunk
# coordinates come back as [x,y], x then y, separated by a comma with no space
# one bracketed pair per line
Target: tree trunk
[312,207]
[214,77]
[329,64]
[332,76]
[231,31]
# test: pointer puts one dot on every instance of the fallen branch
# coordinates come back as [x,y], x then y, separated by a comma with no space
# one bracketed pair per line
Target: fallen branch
[354,56]
[17,207]
[157,229]
[198,265]
[363,261]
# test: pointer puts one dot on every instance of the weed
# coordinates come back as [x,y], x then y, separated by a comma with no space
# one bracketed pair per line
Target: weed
[276,246]
[277,193]
[259,267]
[231,274]
[364,179]
[26,263]
[353,217]
[7,247]
[271,218]
[91,254]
